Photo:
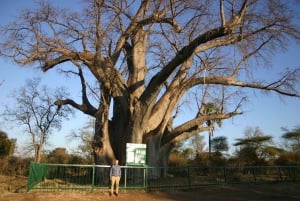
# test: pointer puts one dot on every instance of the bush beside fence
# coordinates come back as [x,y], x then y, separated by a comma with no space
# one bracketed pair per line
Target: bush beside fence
[91,177]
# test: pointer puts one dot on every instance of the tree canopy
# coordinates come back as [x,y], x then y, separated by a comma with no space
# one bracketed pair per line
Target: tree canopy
[149,58]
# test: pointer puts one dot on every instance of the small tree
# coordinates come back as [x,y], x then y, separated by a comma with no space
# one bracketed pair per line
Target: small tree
[254,147]
[6,145]
[219,144]
[86,140]
[293,137]
[35,111]
[292,155]
[59,155]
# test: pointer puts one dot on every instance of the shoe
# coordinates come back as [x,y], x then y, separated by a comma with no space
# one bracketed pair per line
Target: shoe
[109,194]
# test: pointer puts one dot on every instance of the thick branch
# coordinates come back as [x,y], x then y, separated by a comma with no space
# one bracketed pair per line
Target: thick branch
[194,126]
[155,84]
[85,99]
[131,29]
[83,108]
[165,105]
[85,57]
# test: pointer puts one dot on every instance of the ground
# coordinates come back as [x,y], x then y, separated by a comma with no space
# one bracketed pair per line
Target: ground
[11,190]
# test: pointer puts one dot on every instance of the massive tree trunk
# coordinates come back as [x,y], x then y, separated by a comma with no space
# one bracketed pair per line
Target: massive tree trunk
[158,156]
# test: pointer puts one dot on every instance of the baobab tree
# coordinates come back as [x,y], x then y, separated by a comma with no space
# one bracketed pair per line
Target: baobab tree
[148,56]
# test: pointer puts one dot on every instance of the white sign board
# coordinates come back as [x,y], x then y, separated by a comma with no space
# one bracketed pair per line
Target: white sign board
[135,154]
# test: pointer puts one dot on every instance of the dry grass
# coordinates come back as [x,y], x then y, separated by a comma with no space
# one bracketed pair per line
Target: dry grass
[14,184]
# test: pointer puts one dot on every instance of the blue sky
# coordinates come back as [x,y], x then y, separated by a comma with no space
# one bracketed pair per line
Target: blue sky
[268,112]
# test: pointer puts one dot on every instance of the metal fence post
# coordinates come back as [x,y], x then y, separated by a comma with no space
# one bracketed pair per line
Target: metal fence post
[145,178]
[93,176]
[291,175]
[225,175]
[125,179]
[254,173]
[280,174]
[189,177]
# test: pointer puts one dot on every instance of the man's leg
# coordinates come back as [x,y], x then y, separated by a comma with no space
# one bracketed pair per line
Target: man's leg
[117,184]
[113,181]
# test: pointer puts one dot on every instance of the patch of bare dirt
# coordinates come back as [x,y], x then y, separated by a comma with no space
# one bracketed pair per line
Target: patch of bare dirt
[258,192]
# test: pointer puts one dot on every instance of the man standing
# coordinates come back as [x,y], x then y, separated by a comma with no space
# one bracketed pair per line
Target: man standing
[115,175]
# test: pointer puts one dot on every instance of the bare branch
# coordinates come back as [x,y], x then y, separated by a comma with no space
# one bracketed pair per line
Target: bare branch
[222,14]
[274,86]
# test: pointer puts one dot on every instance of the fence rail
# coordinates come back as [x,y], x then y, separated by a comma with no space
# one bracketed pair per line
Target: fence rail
[91,177]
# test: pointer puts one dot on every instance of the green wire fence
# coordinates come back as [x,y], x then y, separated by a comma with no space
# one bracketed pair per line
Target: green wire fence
[90,177]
